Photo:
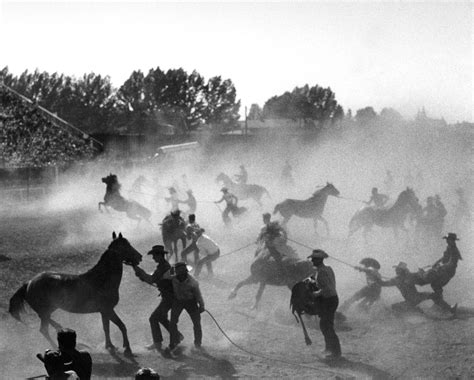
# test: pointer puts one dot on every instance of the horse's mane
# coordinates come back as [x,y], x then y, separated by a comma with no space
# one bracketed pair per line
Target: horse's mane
[319,193]
[103,266]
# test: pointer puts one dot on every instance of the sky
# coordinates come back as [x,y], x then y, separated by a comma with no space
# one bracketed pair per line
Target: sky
[404,55]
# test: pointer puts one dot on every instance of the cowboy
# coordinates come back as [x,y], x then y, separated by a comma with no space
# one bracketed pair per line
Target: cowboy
[208,249]
[164,285]
[405,282]
[266,221]
[175,216]
[54,365]
[173,198]
[443,270]
[231,204]
[191,230]
[377,198]
[242,176]
[191,202]
[369,293]
[188,297]
[78,361]
[326,283]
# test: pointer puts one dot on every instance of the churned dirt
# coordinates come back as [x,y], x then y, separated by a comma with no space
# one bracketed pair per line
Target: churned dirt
[270,343]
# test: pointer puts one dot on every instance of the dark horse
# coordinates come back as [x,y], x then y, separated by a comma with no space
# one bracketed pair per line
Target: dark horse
[113,199]
[173,230]
[242,190]
[269,272]
[311,208]
[393,217]
[95,291]
[302,301]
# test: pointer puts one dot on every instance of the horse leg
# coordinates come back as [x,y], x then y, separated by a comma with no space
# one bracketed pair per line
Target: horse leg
[261,288]
[106,326]
[326,225]
[44,329]
[55,324]
[249,280]
[123,329]
[307,339]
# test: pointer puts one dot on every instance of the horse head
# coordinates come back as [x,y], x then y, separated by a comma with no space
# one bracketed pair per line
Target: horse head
[110,179]
[408,198]
[329,189]
[128,254]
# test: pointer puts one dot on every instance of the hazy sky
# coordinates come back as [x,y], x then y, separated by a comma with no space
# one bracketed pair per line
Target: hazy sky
[403,55]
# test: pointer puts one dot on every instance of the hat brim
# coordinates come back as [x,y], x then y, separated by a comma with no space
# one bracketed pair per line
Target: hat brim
[449,238]
[158,253]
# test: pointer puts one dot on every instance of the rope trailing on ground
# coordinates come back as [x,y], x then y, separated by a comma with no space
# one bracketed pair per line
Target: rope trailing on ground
[352,199]
[265,356]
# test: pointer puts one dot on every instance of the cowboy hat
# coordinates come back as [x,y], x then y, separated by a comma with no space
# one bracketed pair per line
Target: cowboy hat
[370,262]
[181,267]
[401,265]
[451,236]
[318,254]
[157,250]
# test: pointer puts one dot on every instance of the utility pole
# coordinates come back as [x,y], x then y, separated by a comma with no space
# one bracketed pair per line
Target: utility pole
[246,123]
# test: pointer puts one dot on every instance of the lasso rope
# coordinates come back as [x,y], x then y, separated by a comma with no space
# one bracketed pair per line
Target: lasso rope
[265,356]
[237,250]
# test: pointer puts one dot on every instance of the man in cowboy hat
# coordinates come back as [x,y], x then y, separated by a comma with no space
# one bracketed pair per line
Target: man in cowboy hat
[447,266]
[188,297]
[164,285]
[326,283]
[405,281]
[231,204]
[369,293]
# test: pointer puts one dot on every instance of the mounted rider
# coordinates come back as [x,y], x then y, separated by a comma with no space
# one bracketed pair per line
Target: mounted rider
[379,200]
[274,238]
[190,202]
[242,177]
[176,219]
[173,198]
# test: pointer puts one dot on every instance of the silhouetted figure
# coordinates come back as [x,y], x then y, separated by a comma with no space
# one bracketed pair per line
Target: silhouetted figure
[208,252]
[377,198]
[54,365]
[77,361]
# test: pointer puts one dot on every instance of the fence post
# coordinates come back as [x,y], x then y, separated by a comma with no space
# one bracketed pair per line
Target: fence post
[28,184]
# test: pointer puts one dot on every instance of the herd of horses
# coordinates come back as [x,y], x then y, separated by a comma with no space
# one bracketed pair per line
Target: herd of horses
[97,290]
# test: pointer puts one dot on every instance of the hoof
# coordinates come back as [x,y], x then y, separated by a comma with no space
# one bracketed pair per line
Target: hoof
[232,295]
[128,353]
[111,348]
[308,342]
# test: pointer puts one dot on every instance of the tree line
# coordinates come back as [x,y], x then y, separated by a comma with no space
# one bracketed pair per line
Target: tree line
[142,104]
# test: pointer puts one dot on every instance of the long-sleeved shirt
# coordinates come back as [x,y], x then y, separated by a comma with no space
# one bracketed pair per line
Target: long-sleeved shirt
[187,290]
[326,281]
[163,284]
[206,245]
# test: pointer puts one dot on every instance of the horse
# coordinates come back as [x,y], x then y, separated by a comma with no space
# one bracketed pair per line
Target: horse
[113,199]
[172,231]
[302,301]
[311,208]
[269,272]
[393,217]
[95,291]
[242,190]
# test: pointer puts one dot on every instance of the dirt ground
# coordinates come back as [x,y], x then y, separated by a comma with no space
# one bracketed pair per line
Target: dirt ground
[270,342]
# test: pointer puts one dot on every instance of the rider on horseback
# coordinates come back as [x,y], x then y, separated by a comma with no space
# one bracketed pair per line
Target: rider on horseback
[173,199]
[242,177]
[231,204]
[377,198]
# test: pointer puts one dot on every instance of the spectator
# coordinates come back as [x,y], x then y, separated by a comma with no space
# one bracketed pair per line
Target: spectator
[54,365]
[78,361]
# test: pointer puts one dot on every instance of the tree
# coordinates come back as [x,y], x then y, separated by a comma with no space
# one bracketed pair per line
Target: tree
[311,105]
[255,112]
[365,115]
[221,108]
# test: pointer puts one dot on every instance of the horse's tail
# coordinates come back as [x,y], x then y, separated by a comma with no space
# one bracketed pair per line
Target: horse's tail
[17,302]
[293,301]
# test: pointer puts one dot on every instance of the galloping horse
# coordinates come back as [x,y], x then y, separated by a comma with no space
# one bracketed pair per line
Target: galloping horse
[242,190]
[393,217]
[302,301]
[172,231]
[269,272]
[311,208]
[95,291]
[113,199]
